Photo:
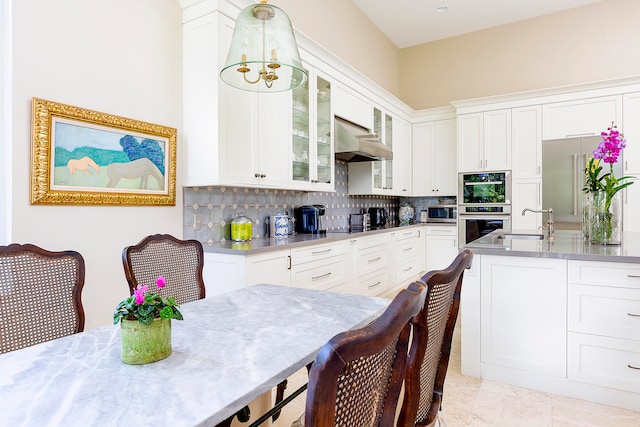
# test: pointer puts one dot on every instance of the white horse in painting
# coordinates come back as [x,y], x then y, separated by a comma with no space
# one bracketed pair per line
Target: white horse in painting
[82,165]
[140,168]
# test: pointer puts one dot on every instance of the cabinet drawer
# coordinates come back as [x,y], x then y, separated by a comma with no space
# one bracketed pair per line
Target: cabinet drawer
[315,252]
[320,274]
[407,249]
[608,362]
[605,273]
[412,233]
[604,310]
[373,284]
[444,230]
[408,270]
[372,259]
[371,241]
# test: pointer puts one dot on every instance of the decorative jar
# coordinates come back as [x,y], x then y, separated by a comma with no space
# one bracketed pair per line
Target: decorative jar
[406,213]
[145,343]
[604,218]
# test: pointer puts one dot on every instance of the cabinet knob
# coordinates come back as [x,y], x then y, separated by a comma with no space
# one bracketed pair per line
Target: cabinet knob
[257,175]
[263,175]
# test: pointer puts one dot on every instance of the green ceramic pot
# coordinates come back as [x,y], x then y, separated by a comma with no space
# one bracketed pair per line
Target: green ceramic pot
[145,343]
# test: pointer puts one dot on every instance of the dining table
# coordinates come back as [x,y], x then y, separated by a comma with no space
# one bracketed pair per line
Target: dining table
[229,350]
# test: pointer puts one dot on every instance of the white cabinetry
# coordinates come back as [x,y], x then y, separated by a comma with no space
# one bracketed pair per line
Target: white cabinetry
[402,159]
[583,117]
[312,140]
[604,324]
[407,255]
[352,106]
[372,265]
[484,141]
[526,142]
[527,193]
[441,246]
[434,158]
[215,114]
[524,314]
[321,267]
[631,158]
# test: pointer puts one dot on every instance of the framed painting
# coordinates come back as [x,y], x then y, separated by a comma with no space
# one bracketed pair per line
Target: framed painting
[81,156]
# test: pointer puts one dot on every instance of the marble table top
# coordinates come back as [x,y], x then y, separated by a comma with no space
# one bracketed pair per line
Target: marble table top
[229,350]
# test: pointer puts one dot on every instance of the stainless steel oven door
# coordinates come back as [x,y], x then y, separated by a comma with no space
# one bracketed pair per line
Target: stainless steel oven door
[474,226]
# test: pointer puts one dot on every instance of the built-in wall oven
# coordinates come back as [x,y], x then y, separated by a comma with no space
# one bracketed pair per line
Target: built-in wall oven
[484,204]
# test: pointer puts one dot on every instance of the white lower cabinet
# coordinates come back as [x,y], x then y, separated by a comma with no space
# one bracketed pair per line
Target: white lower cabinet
[407,256]
[372,264]
[604,324]
[441,246]
[321,267]
[524,314]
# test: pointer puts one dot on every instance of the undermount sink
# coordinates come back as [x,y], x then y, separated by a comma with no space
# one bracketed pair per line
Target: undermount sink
[515,236]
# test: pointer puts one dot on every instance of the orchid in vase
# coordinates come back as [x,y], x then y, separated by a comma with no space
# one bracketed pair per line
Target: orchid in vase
[601,221]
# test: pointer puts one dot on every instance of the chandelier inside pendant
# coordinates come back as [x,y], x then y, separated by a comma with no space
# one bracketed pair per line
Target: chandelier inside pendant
[263,55]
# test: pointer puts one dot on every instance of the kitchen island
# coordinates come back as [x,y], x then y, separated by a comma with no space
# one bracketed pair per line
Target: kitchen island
[558,315]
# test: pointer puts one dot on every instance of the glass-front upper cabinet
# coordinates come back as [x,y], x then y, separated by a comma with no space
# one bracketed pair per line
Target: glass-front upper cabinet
[313,151]
[383,170]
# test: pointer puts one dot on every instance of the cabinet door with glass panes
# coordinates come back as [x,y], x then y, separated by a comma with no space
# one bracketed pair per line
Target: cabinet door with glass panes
[313,165]
[383,169]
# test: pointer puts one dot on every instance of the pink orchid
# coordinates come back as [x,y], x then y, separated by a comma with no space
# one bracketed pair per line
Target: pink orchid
[140,291]
[161,282]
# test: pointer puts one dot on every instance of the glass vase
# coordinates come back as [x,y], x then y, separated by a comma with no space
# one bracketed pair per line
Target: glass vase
[587,201]
[604,219]
[145,343]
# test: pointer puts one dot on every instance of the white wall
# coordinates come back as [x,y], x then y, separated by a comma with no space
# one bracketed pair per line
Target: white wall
[5,128]
[115,56]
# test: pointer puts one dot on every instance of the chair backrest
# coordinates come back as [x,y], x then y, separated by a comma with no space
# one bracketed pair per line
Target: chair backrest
[431,343]
[357,377]
[179,261]
[40,295]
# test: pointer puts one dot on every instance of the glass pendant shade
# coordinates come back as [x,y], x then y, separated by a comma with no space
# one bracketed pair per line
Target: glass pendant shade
[263,56]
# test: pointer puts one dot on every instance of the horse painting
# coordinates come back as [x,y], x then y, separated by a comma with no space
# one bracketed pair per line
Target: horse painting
[82,165]
[141,168]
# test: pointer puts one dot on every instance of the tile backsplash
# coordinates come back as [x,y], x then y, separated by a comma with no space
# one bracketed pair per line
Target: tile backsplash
[208,211]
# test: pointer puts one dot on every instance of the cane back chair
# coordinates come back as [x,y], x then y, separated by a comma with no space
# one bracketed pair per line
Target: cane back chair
[180,262]
[40,295]
[357,377]
[431,343]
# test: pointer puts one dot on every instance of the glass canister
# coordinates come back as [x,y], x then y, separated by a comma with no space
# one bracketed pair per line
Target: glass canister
[241,228]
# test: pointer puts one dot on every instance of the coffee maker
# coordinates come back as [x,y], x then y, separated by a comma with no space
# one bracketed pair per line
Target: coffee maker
[310,219]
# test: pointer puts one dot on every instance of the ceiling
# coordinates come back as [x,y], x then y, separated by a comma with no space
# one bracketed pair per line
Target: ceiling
[412,22]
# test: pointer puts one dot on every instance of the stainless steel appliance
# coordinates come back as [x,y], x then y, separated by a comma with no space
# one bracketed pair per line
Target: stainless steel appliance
[484,204]
[378,217]
[310,219]
[441,213]
[563,165]
[359,222]
[357,144]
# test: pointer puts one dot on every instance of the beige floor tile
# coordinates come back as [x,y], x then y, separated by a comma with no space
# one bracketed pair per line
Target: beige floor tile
[570,412]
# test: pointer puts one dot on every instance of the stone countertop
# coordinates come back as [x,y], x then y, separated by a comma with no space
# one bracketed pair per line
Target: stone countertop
[568,244]
[255,246]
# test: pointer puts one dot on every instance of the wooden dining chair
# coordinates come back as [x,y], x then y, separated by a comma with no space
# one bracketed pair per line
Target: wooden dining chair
[357,377]
[431,343]
[40,295]
[180,262]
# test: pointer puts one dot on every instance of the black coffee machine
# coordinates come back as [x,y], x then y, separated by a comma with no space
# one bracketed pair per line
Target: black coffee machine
[378,217]
[310,219]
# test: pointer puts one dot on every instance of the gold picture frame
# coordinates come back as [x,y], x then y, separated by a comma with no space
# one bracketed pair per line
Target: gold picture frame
[85,157]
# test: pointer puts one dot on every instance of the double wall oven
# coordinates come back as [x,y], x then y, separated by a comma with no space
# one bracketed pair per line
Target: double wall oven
[484,204]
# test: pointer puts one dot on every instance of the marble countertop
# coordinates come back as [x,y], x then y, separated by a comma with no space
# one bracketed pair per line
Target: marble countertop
[297,240]
[228,350]
[567,244]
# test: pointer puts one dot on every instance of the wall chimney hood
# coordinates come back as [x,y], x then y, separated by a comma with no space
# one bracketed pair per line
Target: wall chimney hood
[354,143]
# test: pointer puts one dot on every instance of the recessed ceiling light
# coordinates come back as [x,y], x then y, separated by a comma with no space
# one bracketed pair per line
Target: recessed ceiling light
[442,8]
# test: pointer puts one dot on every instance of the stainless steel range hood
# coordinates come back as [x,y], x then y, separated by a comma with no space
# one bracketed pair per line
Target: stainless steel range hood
[354,143]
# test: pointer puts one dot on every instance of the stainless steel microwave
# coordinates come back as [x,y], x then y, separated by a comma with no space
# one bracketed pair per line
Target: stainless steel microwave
[442,213]
[484,188]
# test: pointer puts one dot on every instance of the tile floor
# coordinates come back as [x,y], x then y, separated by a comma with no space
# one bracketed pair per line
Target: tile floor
[475,402]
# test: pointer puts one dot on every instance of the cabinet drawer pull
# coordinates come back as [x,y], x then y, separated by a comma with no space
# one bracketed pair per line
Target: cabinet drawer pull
[321,252]
[633,315]
[321,276]
[408,249]
[374,285]
[635,276]
[634,367]
[375,259]
[407,269]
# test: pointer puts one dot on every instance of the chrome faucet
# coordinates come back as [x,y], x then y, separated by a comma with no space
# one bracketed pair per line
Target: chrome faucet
[549,226]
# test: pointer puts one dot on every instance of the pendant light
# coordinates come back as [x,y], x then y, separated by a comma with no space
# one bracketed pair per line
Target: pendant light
[263,56]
